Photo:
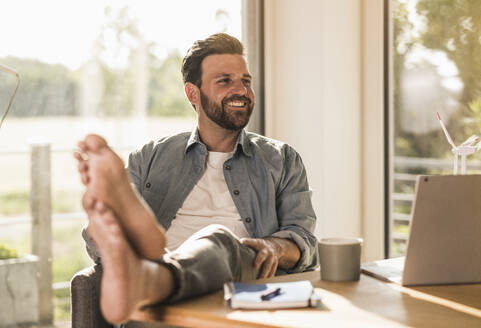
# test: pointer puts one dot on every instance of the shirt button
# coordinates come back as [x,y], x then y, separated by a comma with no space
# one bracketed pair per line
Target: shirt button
[147,185]
[248,220]
[236,192]
[228,167]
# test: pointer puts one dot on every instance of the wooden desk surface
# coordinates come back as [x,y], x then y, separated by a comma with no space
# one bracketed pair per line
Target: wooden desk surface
[366,303]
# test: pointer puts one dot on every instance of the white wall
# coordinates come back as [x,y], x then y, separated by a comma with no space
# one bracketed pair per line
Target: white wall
[313,67]
[373,129]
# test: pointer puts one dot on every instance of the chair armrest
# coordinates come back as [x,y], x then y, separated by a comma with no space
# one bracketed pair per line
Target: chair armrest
[85,297]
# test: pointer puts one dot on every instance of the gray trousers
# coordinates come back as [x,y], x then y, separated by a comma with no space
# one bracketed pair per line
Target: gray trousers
[208,259]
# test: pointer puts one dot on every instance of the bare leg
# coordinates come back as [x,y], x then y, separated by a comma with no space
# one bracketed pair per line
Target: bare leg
[106,179]
[128,282]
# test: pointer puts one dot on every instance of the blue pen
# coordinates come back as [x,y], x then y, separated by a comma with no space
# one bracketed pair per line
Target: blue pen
[270,293]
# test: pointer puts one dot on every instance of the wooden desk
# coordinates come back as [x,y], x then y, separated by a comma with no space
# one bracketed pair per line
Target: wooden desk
[367,303]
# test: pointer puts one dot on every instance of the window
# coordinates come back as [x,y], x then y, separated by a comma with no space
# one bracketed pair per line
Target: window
[109,67]
[435,68]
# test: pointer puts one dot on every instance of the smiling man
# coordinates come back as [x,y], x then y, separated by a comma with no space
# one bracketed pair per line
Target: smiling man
[227,203]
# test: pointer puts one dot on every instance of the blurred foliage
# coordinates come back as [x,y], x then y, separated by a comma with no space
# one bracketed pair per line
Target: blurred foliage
[61,310]
[7,253]
[70,256]
[403,41]
[401,228]
[55,90]
[167,81]
[403,207]
[18,202]
[45,89]
[453,27]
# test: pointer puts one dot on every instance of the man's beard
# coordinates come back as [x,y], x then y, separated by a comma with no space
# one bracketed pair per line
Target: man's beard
[235,120]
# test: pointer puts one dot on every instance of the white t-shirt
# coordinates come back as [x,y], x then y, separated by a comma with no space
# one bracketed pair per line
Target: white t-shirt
[209,202]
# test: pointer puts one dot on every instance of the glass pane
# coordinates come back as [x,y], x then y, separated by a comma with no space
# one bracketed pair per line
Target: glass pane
[111,67]
[436,68]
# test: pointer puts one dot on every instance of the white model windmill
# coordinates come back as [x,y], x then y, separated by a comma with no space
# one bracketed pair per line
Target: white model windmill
[463,150]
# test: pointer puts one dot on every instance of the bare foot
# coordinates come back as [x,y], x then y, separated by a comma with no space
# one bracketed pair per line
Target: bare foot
[107,181]
[102,171]
[128,282]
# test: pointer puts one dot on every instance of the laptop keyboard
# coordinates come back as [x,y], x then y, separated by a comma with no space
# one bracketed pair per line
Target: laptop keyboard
[387,270]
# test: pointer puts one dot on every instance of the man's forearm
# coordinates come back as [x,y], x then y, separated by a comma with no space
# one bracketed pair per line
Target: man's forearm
[289,253]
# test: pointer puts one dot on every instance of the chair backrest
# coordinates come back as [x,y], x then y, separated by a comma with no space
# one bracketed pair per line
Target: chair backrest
[85,299]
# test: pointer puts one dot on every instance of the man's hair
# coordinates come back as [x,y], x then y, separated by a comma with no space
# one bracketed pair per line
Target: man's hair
[219,43]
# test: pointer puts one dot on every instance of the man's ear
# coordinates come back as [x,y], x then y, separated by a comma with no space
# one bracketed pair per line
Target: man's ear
[192,92]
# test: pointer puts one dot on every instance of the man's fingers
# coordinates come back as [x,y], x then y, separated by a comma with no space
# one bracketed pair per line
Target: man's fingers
[266,256]
[274,265]
[251,243]
[266,268]
[269,267]
[260,259]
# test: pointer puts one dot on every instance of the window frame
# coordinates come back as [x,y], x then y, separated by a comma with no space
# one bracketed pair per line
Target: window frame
[253,39]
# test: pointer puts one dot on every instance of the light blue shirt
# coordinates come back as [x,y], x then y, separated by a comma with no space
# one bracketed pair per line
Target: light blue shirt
[266,179]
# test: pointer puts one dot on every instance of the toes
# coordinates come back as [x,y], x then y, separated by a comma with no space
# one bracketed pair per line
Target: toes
[95,142]
[88,202]
[79,156]
[82,166]
[100,207]
[106,227]
[83,146]
[85,179]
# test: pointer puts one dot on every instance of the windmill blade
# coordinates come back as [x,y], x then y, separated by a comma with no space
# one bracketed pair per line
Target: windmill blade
[445,131]
[471,140]
[8,70]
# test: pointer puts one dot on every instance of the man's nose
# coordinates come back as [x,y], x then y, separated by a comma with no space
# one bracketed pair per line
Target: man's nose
[239,88]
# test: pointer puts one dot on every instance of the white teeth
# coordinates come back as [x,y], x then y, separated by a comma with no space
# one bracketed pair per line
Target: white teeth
[236,103]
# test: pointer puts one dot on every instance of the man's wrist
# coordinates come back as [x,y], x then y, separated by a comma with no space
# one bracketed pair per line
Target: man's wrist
[276,244]
[288,253]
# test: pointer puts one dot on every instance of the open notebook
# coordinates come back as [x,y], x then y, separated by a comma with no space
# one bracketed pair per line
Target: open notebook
[271,295]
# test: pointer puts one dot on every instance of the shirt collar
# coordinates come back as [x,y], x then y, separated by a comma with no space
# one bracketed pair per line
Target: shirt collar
[242,143]
[193,139]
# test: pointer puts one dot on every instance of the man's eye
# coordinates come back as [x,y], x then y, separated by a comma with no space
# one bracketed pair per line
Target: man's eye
[226,80]
[247,82]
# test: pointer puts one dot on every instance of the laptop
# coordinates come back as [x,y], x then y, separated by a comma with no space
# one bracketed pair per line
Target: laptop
[444,245]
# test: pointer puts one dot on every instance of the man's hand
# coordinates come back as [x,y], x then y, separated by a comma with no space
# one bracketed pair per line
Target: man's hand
[268,254]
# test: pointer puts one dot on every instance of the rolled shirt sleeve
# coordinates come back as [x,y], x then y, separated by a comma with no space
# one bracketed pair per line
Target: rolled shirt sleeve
[295,213]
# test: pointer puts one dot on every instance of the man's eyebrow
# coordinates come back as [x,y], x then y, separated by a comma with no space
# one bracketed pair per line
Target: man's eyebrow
[229,75]
[222,75]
